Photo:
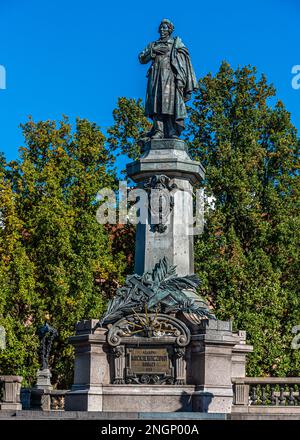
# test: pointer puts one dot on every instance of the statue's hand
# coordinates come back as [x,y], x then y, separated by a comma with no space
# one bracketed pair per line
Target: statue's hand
[159,50]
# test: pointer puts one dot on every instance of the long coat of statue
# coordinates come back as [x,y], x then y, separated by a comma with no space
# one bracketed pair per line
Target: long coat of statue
[171,81]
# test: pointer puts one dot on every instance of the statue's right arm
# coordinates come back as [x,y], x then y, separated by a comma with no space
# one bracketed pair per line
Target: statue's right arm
[146,55]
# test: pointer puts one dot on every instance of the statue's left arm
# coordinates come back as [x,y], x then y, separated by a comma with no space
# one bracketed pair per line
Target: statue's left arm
[146,55]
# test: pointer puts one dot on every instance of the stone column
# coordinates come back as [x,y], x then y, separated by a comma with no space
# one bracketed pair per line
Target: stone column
[167,157]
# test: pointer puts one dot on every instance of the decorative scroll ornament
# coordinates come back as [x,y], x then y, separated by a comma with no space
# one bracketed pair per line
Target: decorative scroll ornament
[162,288]
[161,201]
[149,326]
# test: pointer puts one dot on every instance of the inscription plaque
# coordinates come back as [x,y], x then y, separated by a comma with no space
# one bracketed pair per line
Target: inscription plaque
[149,365]
[149,360]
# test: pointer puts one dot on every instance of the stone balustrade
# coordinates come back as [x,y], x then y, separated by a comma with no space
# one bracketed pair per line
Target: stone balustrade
[57,400]
[46,400]
[266,391]
[10,387]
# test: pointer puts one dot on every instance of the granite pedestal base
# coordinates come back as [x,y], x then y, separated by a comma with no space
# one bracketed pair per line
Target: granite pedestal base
[214,355]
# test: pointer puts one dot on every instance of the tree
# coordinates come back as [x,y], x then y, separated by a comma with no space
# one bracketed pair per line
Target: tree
[130,124]
[248,255]
[18,298]
[54,185]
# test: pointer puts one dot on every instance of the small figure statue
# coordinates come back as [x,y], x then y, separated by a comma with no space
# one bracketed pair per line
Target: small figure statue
[171,81]
[46,334]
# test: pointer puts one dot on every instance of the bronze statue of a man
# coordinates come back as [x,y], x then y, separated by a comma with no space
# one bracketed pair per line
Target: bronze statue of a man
[171,81]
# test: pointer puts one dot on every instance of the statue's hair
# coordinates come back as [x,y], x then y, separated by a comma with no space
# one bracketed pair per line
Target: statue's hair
[169,23]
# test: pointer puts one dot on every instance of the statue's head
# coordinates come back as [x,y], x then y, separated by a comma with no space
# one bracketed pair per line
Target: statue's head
[166,27]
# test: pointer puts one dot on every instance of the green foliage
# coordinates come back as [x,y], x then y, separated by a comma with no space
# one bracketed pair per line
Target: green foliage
[18,297]
[248,256]
[129,126]
[55,257]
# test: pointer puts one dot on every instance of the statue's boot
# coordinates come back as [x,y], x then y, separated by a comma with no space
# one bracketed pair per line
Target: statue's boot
[171,129]
[157,135]
[157,131]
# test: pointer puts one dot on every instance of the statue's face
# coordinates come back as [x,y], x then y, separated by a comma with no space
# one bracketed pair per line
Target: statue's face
[164,30]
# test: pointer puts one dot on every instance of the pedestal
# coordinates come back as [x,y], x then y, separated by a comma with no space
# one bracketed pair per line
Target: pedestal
[169,158]
[44,380]
[159,362]
[216,355]
[207,368]
[40,393]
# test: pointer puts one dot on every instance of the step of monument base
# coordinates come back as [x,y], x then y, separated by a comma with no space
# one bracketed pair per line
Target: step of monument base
[149,399]
[105,416]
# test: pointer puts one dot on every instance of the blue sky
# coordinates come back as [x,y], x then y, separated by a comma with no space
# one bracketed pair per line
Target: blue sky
[77,57]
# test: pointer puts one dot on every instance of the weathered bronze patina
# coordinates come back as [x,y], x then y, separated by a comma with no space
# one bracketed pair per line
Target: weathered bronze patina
[171,81]
[161,289]
[46,335]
